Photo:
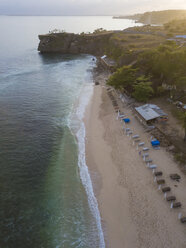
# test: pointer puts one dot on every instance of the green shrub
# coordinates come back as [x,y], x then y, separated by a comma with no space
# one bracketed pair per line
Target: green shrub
[161,90]
[123,78]
[143,91]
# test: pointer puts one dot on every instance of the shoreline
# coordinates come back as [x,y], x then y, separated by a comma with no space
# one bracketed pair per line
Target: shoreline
[80,134]
[134,212]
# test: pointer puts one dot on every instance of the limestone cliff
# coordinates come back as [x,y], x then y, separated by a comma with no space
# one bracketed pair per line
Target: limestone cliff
[74,43]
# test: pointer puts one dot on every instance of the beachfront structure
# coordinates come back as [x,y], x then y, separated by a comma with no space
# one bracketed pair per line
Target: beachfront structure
[179,39]
[108,63]
[148,113]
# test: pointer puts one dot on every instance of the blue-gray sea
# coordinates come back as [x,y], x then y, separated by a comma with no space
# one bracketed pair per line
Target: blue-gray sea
[46,194]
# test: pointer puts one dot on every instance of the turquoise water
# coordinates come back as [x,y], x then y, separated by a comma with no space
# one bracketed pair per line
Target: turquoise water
[46,194]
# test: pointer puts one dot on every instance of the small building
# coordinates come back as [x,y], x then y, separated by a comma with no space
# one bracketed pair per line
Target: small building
[179,39]
[108,63]
[149,113]
[180,36]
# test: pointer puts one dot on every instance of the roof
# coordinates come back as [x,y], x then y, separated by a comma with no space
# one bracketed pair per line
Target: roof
[181,36]
[150,111]
[108,62]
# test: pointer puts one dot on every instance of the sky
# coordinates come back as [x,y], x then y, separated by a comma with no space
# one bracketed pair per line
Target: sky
[86,7]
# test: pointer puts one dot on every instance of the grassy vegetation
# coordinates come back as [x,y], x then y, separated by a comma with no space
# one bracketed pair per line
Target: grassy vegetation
[137,41]
[176,26]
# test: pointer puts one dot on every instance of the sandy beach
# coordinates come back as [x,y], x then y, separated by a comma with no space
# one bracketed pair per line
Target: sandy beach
[134,212]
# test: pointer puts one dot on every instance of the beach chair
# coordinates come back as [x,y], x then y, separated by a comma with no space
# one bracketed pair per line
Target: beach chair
[145,155]
[152,166]
[148,161]
[135,136]
[127,130]
[160,181]
[129,133]
[170,198]
[140,145]
[166,189]
[145,149]
[175,176]
[135,141]
[175,205]
[182,219]
[120,115]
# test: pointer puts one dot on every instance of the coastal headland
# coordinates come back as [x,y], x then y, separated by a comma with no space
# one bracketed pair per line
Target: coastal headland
[74,43]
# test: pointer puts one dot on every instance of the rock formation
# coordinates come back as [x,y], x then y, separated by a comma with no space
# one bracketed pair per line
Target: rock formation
[74,43]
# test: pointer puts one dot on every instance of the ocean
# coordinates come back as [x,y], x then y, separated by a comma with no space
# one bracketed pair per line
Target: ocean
[46,193]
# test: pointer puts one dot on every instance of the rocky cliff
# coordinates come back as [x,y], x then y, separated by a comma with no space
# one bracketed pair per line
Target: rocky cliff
[74,43]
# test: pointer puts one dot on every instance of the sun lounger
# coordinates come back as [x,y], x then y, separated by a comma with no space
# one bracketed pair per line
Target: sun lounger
[127,130]
[158,173]
[129,133]
[145,155]
[156,147]
[166,189]
[148,161]
[121,116]
[175,176]
[152,166]
[160,181]
[135,141]
[171,198]
[141,144]
[135,136]
[145,149]
[175,204]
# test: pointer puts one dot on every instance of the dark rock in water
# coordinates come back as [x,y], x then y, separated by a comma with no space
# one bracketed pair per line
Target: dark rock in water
[96,83]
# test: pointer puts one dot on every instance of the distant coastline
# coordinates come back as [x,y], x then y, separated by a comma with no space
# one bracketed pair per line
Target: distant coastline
[155,17]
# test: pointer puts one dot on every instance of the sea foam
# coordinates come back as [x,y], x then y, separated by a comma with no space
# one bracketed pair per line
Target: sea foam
[84,173]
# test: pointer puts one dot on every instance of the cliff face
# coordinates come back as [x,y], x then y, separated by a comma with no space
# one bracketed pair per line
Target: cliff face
[74,43]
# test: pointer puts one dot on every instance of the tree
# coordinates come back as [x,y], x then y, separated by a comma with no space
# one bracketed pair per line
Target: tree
[123,78]
[142,91]
[181,83]
[99,30]
[165,63]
